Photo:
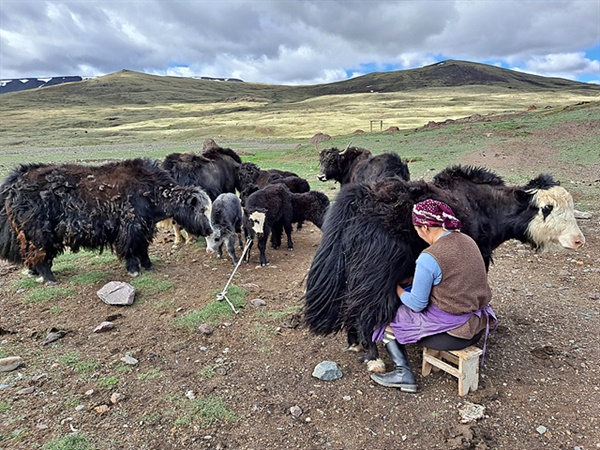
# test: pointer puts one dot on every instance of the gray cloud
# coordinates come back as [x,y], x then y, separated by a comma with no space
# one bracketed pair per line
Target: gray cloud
[291,42]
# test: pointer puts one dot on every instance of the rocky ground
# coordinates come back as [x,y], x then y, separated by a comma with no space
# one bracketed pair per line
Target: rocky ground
[249,383]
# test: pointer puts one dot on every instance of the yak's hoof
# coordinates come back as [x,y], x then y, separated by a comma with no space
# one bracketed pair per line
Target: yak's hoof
[46,282]
[354,348]
[376,365]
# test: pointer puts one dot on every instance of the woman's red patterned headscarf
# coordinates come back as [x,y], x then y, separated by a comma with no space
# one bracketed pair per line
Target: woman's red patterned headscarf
[434,213]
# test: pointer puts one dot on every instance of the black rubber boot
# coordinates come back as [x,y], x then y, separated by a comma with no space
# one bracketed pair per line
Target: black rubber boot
[402,377]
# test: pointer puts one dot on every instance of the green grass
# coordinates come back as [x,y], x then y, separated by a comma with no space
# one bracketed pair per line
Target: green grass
[206,412]
[70,442]
[4,407]
[215,312]
[207,372]
[150,284]
[277,315]
[48,293]
[108,381]
[150,374]
[90,278]
[78,363]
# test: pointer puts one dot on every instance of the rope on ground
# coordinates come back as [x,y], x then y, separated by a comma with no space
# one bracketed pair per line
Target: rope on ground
[223,294]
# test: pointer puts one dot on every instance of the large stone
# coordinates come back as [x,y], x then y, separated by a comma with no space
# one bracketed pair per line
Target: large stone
[10,363]
[117,293]
[327,371]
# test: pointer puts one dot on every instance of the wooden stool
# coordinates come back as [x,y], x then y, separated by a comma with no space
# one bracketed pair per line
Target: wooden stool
[464,365]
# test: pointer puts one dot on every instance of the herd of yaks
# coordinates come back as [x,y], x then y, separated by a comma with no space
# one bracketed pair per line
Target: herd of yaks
[367,245]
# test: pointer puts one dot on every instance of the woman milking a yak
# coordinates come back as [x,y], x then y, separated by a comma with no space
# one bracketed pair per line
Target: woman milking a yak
[372,242]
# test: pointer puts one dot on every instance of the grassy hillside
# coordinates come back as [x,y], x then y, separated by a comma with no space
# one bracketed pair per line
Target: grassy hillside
[129,107]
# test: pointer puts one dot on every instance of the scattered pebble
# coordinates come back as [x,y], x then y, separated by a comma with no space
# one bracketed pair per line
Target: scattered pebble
[104,326]
[258,302]
[116,398]
[541,429]
[128,359]
[54,335]
[26,391]
[206,328]
[296,411]
[101,409]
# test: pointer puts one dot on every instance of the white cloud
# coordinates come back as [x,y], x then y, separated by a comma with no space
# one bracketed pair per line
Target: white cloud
[293,42]
[565,65]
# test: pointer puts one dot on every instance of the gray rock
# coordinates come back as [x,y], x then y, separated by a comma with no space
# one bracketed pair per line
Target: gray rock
[128,359]
[54,335]
[206,328]
[582,215]
[327,371]
[104,326]
[258,302]
[26,391]
[10,363]
[117,293]
[296,411]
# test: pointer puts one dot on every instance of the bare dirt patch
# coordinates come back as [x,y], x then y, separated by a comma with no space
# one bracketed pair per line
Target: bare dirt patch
[540,385]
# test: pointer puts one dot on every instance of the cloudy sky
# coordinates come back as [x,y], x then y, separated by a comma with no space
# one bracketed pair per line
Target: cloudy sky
[295,41]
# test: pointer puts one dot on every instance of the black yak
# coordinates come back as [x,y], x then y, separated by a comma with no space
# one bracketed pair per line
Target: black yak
[357,165]
[252,178]
[46,208]
[215,171]
[369,244]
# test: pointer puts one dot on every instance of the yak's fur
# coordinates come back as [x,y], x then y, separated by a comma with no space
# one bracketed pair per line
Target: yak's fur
[369,244]
[357,165]
[311,206]
[252,178]
[46,208]
[215,170]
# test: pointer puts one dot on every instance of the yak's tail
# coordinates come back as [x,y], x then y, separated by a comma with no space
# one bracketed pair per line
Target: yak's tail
[9,246]
[326,281]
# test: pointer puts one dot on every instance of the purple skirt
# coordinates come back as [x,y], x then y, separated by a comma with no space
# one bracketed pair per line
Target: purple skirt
[410,326]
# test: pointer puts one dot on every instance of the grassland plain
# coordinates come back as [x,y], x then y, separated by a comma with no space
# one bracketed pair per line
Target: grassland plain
[234,388]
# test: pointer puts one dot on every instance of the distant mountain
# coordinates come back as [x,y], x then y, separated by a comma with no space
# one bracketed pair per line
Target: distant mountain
[447,74]
[22,84]
[127,87]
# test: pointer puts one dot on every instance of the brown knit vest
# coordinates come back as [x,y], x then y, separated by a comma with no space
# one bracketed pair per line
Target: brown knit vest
[464,287]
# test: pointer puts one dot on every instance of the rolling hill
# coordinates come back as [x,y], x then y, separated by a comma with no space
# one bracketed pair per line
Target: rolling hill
[129,106]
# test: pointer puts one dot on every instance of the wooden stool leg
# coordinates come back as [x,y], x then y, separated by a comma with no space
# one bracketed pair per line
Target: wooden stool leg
[469,375]
[426,368]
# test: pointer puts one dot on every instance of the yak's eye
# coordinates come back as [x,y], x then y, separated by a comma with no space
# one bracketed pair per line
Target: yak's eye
[546,210]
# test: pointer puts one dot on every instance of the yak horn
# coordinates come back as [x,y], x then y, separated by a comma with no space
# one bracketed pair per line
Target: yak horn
[347,147]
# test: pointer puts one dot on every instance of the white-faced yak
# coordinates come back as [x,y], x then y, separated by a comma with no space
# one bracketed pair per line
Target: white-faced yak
[357,165]
[268,210]
[369,244]
[47,208]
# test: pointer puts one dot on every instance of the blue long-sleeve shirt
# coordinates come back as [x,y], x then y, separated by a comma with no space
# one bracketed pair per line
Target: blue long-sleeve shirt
[428,273]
